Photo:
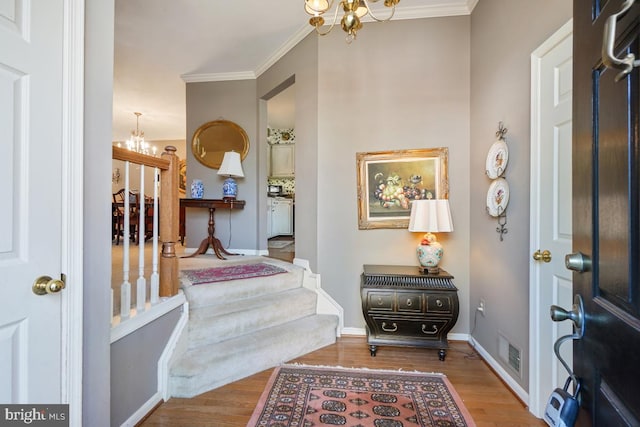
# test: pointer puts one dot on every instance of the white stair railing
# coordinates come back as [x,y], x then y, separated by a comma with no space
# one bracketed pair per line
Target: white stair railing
[165,184]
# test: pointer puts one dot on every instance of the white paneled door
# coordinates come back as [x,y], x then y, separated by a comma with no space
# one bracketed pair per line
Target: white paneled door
[35,345]
[551,199]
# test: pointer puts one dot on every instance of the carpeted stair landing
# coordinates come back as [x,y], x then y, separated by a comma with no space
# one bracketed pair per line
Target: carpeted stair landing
[240,327]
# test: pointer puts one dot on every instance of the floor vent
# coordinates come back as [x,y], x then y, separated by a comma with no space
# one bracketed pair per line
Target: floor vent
[509,354]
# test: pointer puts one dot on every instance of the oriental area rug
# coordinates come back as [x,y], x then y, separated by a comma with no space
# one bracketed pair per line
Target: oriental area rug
[232,272]
[309,396]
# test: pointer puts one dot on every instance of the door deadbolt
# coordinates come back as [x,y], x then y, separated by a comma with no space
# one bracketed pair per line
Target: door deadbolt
[544,255]
[577,262]
[46,285]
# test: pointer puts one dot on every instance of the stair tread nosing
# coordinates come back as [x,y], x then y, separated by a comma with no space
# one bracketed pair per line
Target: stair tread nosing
[214,324]
[211,366]
[207,294]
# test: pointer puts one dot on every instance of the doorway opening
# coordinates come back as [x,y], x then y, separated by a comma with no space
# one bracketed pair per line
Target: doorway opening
[280,185]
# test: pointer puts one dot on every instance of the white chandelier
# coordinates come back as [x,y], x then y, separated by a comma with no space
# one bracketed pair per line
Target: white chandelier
[137,143]
[354,11]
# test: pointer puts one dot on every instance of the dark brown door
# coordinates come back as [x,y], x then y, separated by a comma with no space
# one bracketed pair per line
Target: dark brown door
[606,215]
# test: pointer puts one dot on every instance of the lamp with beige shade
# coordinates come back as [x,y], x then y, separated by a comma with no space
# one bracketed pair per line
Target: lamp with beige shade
[430,216]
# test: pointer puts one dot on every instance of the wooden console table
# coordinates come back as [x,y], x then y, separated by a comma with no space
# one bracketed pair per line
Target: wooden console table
[210,240]
[404,307]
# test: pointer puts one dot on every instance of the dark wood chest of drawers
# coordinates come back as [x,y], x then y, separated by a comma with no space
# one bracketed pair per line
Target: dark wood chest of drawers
[404,307]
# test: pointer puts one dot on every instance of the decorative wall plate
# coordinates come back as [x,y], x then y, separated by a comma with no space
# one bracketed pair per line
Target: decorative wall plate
[497,197]
[497,159]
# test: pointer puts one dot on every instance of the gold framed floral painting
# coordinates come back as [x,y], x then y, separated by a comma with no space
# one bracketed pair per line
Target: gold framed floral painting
[182,184]
[389,180]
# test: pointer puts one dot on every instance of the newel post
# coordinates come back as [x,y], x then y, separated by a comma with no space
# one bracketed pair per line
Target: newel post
[169,218]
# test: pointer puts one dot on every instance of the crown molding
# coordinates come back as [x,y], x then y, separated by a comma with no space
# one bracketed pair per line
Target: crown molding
[446,8]
[302,32]
[218,77]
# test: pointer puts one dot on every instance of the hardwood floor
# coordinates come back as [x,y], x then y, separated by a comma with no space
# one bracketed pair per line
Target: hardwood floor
[486,397]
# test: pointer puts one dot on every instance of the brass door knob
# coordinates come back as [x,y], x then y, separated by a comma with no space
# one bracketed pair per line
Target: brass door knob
[544,255]
[46,285]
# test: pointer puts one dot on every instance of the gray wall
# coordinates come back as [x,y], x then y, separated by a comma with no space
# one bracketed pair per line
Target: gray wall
[97,217]
[97,392]
[299,64]
[400,85]
[234,101]
[400,90]
[503,35]
[134,379]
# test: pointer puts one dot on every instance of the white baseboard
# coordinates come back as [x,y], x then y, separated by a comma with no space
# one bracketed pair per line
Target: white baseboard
[498,369]
[165,357]
[359,332]
[248,252]
[325,303]
[458,337]
[259,252]
[142,411]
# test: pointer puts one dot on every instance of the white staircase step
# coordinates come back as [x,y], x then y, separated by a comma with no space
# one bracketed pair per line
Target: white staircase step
[223,321]
[207,367]
[208,294]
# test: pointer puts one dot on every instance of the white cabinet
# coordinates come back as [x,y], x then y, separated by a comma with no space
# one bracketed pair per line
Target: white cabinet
[269,217]
[281,214]
[282,160]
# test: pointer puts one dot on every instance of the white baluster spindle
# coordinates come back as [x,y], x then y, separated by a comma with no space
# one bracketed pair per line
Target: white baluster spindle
[125,288]
[155,277]
[141,284]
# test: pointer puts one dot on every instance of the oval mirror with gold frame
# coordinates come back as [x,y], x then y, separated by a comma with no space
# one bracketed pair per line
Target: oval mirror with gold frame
[215,138]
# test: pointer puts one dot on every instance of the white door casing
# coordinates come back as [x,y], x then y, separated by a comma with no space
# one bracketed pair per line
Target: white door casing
[41,116]
[551,201]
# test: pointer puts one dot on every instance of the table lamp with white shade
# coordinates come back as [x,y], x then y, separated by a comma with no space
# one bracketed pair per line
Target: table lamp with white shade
[430,216]
[231,167]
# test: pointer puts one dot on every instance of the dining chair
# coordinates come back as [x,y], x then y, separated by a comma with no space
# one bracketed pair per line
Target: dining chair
[148,217]
[118,210]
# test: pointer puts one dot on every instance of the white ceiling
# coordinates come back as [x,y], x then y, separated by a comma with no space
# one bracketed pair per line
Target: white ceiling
[161,44]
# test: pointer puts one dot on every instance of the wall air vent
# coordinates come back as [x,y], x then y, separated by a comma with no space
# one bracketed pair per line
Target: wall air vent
[509,354]
[514,358]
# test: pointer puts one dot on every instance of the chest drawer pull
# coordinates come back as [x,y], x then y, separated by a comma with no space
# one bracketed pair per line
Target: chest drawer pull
[439,303]
[380,301]
[409,302]
[424,331]
[393,329]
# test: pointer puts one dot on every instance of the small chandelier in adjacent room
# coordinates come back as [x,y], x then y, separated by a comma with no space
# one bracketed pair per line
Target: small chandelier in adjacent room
[354,12]
[137,143]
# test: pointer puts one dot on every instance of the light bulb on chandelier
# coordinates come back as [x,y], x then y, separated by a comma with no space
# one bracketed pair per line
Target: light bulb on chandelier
[354,12]
[137,143]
